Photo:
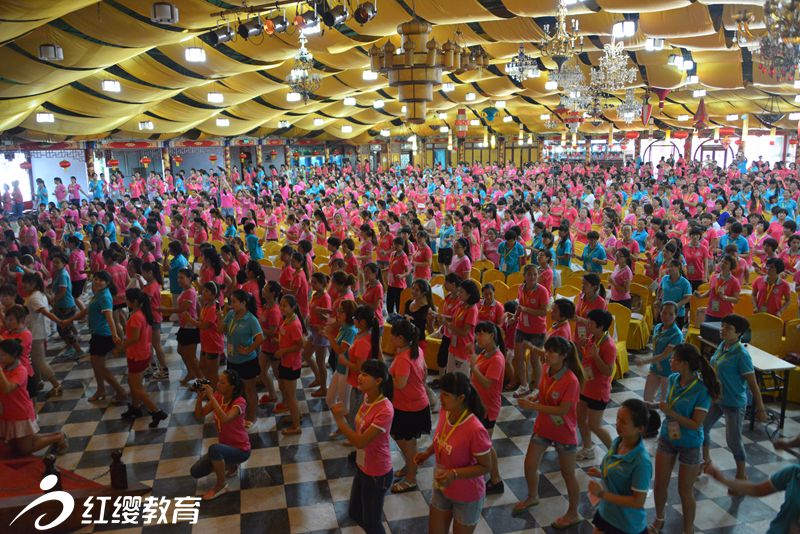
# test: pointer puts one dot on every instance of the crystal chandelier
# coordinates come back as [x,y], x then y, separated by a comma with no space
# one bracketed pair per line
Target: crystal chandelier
[782,18]
[630,108]
[302,80]
[579,97]
[569,76]
[561,44]
[780,46]
[613,72]
[742,35]
[522,66]
[552,124]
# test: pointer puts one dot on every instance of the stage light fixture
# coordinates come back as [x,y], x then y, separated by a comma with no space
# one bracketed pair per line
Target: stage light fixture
[220,35]
[164,13]
[336,16]
[252,28]
[365,12]
[275,25]
[51,52]
[111,86]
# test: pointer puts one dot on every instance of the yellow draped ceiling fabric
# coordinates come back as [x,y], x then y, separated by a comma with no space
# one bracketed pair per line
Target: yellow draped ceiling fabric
[116,40]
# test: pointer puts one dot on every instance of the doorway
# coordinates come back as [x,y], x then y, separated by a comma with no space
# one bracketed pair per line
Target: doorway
[710,150]
[440,157]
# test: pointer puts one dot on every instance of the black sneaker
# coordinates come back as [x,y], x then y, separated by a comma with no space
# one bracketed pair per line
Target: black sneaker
[157,418]
[495,489]
[132,412]
[434,384]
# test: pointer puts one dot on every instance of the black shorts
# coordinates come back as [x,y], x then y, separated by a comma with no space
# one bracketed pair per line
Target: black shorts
[445,256]
[487,424]
[211,356]
[77,288]
[607,528]
[411,425]
[537,340]
[247,370]
[116,307]
[695,284]
[285,373]
[270,356]
[594,404]
[188,336]
[100,345]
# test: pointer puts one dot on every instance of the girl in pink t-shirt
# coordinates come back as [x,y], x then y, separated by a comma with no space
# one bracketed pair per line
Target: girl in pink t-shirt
[555,424]
[370,436]
[290,346]
[621,277]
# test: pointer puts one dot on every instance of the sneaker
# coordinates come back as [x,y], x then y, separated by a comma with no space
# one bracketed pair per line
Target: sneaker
[160,375]
[522,391]
[150,371]
[280,408]
[132,412]
[495,489]
[69,353]
[157,418]
[585,454]
[265,399]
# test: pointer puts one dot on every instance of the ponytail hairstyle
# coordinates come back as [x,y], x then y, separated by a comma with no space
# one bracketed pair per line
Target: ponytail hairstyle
[491,328]
[340,278]
[321,278]
[425,288]
[367,315]
[348,307]
[463,243]
[349,245]
[155,269]
[367,230]
[255,269]
[274,288]
[301,259]
[688,353]
[567,350]
[249,300]
[406,330]
[566,309]
[640,413]
[374,269]
[319,214]
[292,303]
[143,300]
[593,279]
[236,383]
[377,369]
[136,264]
[214,260]
[458,384]
[188,273]
[212,287]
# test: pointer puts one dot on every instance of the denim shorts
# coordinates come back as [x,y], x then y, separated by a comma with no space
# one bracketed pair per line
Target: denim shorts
[686,455]
[464,513]
[557,445]
[537,340]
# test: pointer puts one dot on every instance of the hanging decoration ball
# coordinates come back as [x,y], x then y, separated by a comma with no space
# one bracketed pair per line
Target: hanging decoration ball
[631,135]
[681,134]
[772,143]
[64,164]
[242,156]
[145,161]
[25,165]
[727,131]
[178,160]
[113,163]
[793,141]
[297,154]
[212,158]
[274,153]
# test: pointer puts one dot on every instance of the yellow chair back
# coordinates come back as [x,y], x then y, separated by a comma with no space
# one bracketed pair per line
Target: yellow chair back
[622,320]
[493,275]
[767,333]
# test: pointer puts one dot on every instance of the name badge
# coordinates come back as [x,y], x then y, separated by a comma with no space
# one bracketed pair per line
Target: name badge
[674,430]
[588,373]
[360,457]
[581,332]
[557,420]
[715,305]
[690,269]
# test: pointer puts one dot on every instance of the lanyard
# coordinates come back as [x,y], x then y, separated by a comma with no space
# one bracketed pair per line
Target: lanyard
[600,341]
[671,400]
[721,355]
[606,466]
[463,415]
[549,389]
[371,406]
[234,325]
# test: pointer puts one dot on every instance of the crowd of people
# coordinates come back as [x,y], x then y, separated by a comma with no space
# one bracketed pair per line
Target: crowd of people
[365,259]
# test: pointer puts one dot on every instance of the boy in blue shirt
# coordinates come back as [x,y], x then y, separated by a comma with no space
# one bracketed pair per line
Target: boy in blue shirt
[594,255]
[512,253]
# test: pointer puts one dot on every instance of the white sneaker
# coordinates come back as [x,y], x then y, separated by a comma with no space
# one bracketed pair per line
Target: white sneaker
[522,391]
[585,454]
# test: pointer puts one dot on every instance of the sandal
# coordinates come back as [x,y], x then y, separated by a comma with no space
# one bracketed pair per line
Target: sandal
[403,486]
[563,524]
[119,400]
[319,393]
[63,446]
[97,397]
[522,506]
[400,474]
[656,526]
[291,431]
[56,392]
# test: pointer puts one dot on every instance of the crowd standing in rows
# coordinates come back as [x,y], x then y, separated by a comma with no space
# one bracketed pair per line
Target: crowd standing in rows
[353,250]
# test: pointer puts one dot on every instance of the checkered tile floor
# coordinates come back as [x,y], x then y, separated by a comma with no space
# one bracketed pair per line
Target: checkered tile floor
[302,483]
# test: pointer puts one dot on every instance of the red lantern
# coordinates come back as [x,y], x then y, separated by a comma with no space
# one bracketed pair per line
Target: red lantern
[212,158]
[64,164]
[680,134]
[25,165]
[772,143]
[624,145]
[727,131]
[242,156]
[793,141]
[145,161]
[273,153]
[178,160]
[631,135]
[113,163]
[315,153]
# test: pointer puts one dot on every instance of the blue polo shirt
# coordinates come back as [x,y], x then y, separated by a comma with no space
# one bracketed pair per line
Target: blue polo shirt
[175,265]
[624,474]
[685,400]
[446,236]
[787,479]
[100,302]
[675,291]
[732,365]
[661,339]
[509,259]
[347,334]
[241,333]
[741,243]
[589,254]
[641,238]
[61,279]
[564,248]
[254,247]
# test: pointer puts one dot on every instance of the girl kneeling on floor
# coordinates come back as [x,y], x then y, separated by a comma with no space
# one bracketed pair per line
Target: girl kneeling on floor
[229,406]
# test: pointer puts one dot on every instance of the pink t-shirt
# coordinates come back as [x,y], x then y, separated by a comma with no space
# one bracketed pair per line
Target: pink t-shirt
[621,276]
[398,265]
[358,353]
[598,386]
[695,261]
[538,297]
[120,278]
[233,432]
[730,288]
[492,367]
[553,390]
[458,446]
[291,333]
[211,339]
[375,459]
[413,397]
[153,290]
[423,255]
[461,344]
[461,266]
[190,296]
[77,265]
[141,349]
[770,295]
[561,330]
[17,405]
[374,297]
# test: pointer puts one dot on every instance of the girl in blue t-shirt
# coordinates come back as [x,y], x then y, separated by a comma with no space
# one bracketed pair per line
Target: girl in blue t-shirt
[340,342]
[689,395]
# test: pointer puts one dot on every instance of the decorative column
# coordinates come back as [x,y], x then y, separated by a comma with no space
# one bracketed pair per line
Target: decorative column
[226,158]
[288,154]
[687,147]
[501,152]
[165,160]
[637,147]
[423,152]
[327,152]
[89,157]
[461,150]
[259,154]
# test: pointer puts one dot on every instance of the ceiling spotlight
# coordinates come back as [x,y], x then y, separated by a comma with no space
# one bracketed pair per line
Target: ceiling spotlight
[699,93]
[111,86]
[51,52]
[369,76]
[43,116]
[692,79]
[252,28]
[223,34]
[448,87]
[365,13]
[146,125]
[216,98]
[550,85]
[293,97]
[687,65]
[164,13]
[195,54]
[441,116]
[623,29]
[403,109]
[308,23]
[385,133]
[544,117]
[469,97]
[653,44]
[283,124]
[675,60]
[797,99]
[318,122]
[349,101]
[508,118]
[347,129]
[683,118]
[474,122]
[335,17]
[500,104]
[275,25]
[223,122]
[732,117]
[378,104]
[794,116]
[443,129]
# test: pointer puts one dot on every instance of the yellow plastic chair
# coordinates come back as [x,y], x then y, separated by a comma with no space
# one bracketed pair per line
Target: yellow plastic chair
[501,291]
[437,280]
[475,274]
[642,279]
[515,278]
[792,344]
[567,292]
[745,305]
[483,265]
[641,322]
[622,322]
[493,275]
[513,291]
[791,311]
[431,352]
[267,263]
[322,267]
[766,332]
